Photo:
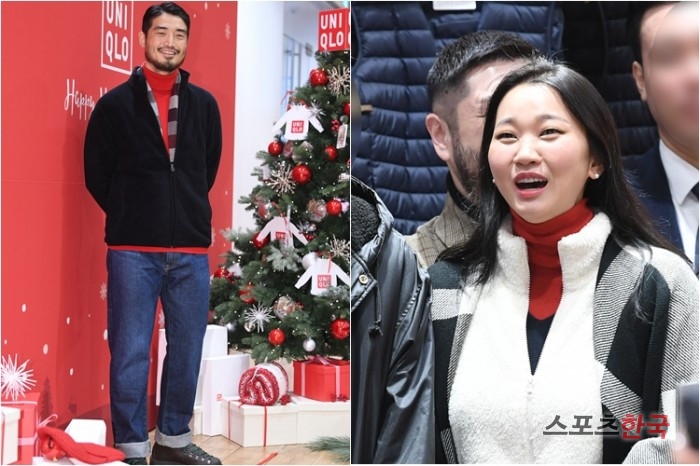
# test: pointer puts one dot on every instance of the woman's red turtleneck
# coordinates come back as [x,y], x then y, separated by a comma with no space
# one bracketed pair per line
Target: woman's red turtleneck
[546,284]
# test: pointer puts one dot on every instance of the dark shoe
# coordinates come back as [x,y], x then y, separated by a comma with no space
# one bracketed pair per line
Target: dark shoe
[136,461]
[191,454]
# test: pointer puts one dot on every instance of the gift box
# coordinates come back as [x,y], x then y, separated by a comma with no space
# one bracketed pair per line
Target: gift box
[88,431]
[221,376]
[215,344]
[196,421]
[322,379]
[28,422]
[321,418]
[9,433]
[258,426]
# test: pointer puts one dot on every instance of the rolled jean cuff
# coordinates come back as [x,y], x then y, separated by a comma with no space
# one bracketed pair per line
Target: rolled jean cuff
[173,441]
[134,449]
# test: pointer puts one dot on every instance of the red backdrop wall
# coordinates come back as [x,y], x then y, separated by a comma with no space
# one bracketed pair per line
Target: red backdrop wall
[57,59]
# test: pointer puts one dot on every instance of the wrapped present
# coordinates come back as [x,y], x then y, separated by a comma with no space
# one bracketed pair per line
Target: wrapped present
[322,379]
[258,426]
[9,433]
[321,418]
[220,378]
[88,431]
[28,423]
[215,344]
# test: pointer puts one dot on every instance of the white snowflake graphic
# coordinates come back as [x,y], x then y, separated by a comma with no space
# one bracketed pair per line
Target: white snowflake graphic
[257,316]
[227,31]
[103,291]
[339,81]
[340,248]
[281,180]
[15,380]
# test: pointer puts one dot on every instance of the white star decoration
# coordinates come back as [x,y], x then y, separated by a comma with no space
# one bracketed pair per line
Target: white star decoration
[281,180]
[103,291]
[339,81]
[14,379]
[257,316]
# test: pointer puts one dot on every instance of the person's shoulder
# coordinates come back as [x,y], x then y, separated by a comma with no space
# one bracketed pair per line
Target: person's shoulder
[201,93]
[672,266]
[446,274]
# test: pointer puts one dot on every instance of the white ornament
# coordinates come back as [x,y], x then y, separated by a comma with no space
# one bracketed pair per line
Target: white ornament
[15,379]
[309,259]
[296,121]
[281,229]
[323,274]
[257,316]
[309,345]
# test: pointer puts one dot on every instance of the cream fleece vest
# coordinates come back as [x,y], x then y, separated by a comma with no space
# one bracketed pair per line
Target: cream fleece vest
[499,412]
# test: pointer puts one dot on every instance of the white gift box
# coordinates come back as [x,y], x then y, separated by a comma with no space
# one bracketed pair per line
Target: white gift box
[88,431]
[321,418]
[221,376]
[215,344]
[257,426]
[196,421]
[10,434]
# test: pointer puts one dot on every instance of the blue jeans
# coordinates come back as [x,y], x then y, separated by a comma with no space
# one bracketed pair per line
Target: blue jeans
[135,282]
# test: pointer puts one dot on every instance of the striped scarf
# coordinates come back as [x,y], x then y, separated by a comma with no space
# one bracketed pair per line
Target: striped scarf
[172,115]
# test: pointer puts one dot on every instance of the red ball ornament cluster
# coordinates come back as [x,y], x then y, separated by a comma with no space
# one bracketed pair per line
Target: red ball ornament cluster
[222,272]
[318,77]
[334,207]
[340,329]
[276,337]
[301,174]
[275,148]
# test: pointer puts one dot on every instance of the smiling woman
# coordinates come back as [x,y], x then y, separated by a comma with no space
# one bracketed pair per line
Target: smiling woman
[531,305]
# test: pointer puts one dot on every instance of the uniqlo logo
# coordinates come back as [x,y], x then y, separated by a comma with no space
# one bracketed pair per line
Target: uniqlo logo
[297,126]
[281,235]
[324,281]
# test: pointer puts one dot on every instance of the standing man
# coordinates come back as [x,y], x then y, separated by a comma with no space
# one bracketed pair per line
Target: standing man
[664,40]
[152,150]
[460,84]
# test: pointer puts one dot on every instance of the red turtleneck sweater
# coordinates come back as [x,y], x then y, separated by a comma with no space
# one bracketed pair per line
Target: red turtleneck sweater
[162,86]
[546,284]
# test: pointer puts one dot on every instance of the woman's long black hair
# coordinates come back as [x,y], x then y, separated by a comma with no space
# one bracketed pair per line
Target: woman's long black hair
[610,193]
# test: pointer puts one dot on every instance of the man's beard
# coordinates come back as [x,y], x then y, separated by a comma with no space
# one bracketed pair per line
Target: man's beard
[467,162]
[164,65]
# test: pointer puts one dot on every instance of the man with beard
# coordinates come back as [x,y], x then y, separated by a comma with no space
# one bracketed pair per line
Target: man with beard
[460,84]
[152,150]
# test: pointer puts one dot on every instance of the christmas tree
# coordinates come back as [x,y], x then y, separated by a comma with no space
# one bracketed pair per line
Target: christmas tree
[283,291]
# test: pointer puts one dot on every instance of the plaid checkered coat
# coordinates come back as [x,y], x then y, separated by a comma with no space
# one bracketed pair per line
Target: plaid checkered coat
[643,361]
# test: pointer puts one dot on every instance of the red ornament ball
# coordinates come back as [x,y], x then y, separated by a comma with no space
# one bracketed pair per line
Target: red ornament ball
[246,293]
[334,207]
[318,77]
[275,148]
[223,272]
[331,152]
[340,328]
[275,337]
[259,242]
[346,108]
[301,174]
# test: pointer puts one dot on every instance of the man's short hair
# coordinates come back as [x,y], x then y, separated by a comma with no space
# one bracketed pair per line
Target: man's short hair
[446,78]
[634,25]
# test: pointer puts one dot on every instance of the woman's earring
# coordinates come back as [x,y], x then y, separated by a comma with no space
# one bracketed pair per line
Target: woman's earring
[493,180]
[596,176]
